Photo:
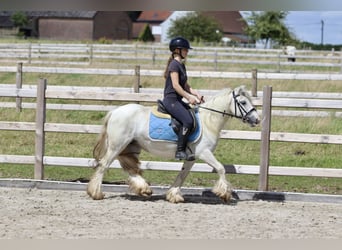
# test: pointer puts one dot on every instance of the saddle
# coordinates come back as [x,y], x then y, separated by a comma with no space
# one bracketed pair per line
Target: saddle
[165,127]
[175,124]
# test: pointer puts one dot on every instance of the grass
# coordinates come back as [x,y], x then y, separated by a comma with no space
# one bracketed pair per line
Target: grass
[227,152]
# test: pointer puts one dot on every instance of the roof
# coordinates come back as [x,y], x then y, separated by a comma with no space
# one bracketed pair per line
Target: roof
[232,24]
[230,21]
[154,16]
[60,14]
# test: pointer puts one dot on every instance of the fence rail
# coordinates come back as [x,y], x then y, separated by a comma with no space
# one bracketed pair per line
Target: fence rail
[127,94]
[85,54]
[332,102]
[191,73]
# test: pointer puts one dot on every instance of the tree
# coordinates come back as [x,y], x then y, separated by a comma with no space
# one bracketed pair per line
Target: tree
[146,35]
[268,26]
[196,27]
[19,19]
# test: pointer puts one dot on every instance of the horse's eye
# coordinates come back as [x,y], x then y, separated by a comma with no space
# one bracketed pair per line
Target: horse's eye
[243,102]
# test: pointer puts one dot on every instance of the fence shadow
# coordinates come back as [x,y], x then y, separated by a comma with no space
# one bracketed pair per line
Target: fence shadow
[188,198]
[207,197]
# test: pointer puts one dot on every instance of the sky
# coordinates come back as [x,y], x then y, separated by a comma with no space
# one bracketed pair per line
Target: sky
[307,26]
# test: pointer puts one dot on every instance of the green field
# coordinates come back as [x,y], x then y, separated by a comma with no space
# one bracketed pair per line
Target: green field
[227,152]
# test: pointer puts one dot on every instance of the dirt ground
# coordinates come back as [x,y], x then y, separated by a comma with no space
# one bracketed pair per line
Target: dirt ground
[55,214]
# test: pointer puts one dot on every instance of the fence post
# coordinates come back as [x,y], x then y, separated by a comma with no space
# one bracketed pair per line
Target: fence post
[90,53]
[215,60]
[254,82]
[29,53]
[278,70]
[265,138]
[153,56]
[19,84]
[136,51]
[341,60]
[136,85]
[40,133]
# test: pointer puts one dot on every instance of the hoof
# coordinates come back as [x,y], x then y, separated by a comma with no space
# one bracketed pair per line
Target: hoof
[146,193]
[95,195]
[174,196]
[227,197]
[139,186]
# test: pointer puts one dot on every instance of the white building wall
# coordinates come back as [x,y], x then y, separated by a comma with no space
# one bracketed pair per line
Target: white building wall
[167,24]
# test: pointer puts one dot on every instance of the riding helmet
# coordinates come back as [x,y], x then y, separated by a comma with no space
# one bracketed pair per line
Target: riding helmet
[179,43]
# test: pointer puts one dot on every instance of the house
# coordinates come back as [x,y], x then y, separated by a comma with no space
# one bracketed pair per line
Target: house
[231,23]
[6,25]
[85,25]
[79,25]
[152,18]
[116,25]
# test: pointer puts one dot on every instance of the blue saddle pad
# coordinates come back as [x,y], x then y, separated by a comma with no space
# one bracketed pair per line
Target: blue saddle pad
[160,129]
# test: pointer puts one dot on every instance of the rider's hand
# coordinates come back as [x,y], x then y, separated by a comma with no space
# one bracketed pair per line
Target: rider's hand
[192,100]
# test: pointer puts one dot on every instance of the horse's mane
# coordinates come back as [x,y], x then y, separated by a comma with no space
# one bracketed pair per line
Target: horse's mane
[220,102]
[217,99]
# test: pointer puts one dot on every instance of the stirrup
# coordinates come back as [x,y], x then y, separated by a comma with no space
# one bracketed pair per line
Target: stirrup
[182,155]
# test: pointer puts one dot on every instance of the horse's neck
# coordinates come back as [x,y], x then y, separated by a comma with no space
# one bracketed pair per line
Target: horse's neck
[215,121]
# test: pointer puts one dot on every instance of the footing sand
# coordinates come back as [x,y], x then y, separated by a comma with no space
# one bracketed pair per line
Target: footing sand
[54,214]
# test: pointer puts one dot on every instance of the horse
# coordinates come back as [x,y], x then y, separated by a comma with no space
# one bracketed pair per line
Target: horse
[125,133]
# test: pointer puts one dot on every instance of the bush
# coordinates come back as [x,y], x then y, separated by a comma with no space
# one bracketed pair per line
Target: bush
[104,40]
[146,35]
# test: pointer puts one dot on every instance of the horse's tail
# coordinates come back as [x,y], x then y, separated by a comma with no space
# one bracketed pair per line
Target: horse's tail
[102,143]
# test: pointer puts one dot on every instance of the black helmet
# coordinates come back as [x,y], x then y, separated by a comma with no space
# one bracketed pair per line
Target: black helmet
[179,43]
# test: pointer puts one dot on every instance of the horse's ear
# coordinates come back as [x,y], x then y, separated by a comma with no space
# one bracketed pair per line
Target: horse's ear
[241,89]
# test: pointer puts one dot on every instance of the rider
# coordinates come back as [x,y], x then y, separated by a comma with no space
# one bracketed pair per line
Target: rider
[176,88]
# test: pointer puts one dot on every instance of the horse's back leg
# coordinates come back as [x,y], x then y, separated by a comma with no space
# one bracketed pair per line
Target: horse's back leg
[94,189]
[129,161]
[112,147]
[174,194]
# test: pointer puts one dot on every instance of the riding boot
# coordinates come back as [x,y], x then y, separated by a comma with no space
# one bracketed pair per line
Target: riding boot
[181,154]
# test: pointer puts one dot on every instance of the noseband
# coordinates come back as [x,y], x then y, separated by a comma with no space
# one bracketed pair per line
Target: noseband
[242,109]
[237,105]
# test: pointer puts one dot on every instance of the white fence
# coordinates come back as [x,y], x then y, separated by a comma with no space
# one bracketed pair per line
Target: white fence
[306,100]
[54,92]
[85,54]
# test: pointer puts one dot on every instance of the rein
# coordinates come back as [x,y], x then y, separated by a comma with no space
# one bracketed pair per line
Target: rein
[223,113]
[236,105]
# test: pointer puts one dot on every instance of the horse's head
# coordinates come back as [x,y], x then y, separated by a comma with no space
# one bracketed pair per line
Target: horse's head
[243,107]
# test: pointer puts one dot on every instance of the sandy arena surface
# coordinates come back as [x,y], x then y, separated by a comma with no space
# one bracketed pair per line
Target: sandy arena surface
[55,214]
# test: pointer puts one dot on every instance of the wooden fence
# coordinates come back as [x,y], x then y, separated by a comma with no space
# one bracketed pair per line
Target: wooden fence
[43,92]
[191,73]
[85,54]
[324,100]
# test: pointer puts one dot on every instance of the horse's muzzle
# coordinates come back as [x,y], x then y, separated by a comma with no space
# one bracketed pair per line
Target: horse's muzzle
[252,121]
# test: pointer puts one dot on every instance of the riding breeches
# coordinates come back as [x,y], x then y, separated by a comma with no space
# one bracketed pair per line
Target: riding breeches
[179,110]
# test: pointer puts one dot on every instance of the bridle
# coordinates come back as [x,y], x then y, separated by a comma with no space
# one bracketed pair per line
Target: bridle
[237,105]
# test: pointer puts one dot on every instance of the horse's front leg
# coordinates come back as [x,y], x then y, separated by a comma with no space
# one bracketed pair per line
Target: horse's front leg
[222,188]
[174,194]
